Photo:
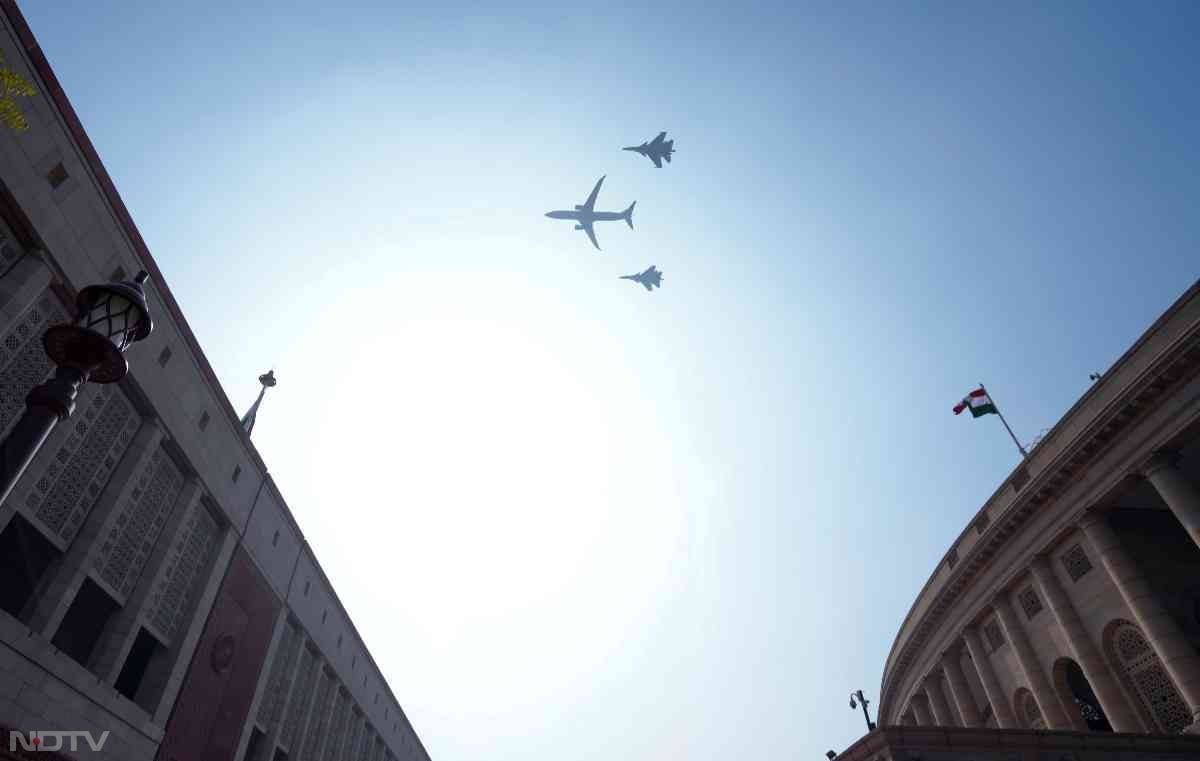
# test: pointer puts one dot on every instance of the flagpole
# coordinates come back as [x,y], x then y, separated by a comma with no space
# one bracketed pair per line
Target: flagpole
[1020,448]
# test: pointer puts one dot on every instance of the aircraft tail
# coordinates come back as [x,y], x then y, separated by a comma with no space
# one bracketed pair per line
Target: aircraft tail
[627,215]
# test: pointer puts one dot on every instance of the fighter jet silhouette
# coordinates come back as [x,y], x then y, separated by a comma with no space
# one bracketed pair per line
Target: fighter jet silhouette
[586,214]
[651,278]
[656,150]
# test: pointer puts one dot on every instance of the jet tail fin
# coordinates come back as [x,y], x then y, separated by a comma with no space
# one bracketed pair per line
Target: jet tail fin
[628,215]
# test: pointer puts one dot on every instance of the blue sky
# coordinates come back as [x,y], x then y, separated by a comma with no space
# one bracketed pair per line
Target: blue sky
[573,519]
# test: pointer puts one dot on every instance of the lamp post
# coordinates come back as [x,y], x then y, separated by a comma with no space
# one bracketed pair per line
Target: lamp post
[109,319]
[857,694]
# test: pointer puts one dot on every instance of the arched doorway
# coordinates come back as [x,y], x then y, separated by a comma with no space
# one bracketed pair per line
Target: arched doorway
[1076,694]
[1145,679]
[1028,712]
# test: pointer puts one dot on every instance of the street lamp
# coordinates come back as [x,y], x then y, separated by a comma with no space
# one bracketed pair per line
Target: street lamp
[109,319]
[858,694]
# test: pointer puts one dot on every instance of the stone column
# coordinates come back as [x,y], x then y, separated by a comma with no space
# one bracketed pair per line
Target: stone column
[920,709]
[959,689]
[937,702]
[1031,667]
[1104,684]
[991,685]
[1176,490]
[1177,654]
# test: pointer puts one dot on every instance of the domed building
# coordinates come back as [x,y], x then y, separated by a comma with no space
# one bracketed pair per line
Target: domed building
[1071,599]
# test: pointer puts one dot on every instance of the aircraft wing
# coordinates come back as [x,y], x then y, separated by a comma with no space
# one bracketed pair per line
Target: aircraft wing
[656,158]
[648,286]
[590,203]
[658,140]
[587,228]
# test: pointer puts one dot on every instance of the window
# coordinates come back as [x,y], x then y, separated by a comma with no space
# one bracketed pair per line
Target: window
[339,644]
[995,635]
[57,175]
[307,586]
[254,747]
[136,663]
[1145,677]
[275,539]
[951,559]
[84,622]
[237,473]
[324,616]
[1030,602]
[204,424]
[25,556]
[164,356]
[1075,560]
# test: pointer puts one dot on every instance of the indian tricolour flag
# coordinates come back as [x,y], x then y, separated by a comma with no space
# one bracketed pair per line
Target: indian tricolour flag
[978,402]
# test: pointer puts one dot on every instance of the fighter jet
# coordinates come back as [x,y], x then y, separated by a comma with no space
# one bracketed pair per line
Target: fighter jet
[651,278]
[656,150]
[586,214]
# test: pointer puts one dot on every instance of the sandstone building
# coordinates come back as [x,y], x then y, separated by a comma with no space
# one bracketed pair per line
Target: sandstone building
[153,582]
[1071,600]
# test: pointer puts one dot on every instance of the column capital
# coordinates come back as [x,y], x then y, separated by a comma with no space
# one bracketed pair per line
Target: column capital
[1162,459]
[952,652]
[1001,601]
[1091,517]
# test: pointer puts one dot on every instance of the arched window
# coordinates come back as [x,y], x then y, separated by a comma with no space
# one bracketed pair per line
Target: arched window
[1028,711]
[1145,678]
[1083,707]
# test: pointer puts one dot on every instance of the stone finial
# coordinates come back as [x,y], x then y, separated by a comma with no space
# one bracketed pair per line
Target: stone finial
[267,380]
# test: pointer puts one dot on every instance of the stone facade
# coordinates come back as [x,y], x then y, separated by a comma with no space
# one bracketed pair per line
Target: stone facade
[153,583]
[1071,601]
[962,744]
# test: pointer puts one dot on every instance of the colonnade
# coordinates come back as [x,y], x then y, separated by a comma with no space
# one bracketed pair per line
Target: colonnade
[928,704]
